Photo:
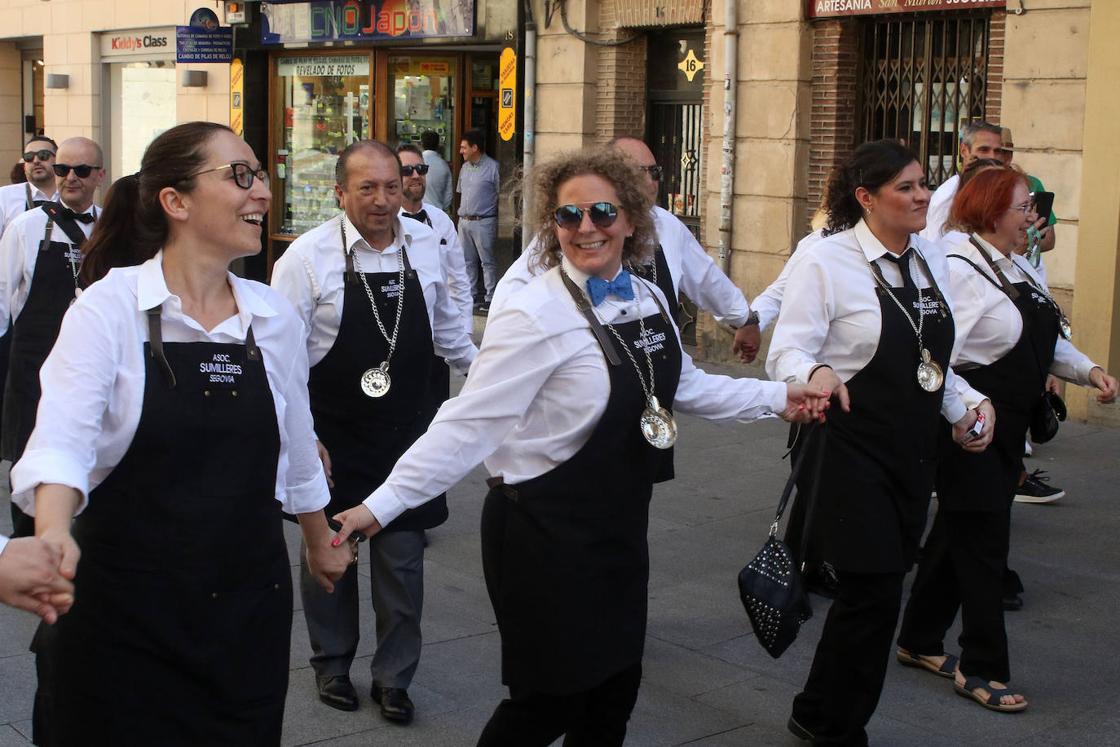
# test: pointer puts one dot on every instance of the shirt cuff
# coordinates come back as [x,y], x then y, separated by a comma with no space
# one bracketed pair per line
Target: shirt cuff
[306,498]
[385,506]
[777,394]
[802,372]
[3,542]
[953,407]
[44,466]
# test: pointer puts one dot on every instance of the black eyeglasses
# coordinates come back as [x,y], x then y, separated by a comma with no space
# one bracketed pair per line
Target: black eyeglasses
[42,155]
[603,215]
[420,168]
[655,172]
[82,170]
[243,173]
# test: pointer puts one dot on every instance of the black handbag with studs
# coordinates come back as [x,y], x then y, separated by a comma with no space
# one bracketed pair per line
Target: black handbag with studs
[770,586]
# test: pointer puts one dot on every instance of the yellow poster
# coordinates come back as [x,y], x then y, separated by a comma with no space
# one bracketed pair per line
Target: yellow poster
[507,87]
[237,96]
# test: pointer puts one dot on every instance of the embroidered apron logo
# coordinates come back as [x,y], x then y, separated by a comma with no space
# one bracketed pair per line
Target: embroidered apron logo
[221,369]
[653,342]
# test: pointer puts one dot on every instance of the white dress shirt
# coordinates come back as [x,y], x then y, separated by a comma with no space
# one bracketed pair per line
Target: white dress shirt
[694,273]
[833,317]
[988,324]
[19,250]
[768,304]
[3,542]
[13,201]
[93,384]
[454,263]
[939,206]
[311,273]
[537,391]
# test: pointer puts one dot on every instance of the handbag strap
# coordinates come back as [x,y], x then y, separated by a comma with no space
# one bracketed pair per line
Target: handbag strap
[795,472]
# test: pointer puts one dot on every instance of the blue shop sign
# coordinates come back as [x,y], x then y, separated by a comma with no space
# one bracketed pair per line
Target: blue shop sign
[203,40]
[362,20]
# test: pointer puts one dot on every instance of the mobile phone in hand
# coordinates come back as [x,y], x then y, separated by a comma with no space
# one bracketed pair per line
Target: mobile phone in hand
[1043,203]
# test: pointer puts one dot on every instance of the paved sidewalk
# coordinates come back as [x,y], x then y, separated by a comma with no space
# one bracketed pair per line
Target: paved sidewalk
[707,681]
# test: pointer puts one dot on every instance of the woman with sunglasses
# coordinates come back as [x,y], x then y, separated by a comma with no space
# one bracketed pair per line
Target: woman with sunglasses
[872,324]
[1009,334]
[570,404]
[174,428]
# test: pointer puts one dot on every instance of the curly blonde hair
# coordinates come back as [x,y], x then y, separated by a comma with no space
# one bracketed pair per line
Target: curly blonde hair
[623,175]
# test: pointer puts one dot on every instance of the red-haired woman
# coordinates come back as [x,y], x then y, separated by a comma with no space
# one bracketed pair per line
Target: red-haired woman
[1009,334]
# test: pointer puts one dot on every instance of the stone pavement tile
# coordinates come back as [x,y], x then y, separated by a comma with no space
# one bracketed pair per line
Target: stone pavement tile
[663,717]
[686,672]
[699,614]
[24,729]
[18,628]
[457,729]
[752,735]
[9,737]
[17,689]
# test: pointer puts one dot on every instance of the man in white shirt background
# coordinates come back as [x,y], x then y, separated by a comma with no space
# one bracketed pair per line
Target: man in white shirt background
[40,255]
[438,190]
[978,140]
[38,168]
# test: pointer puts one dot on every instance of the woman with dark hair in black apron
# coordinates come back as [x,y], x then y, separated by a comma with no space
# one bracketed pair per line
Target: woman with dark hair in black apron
[173,430]
[570,403]
[871,324]
[1010,335]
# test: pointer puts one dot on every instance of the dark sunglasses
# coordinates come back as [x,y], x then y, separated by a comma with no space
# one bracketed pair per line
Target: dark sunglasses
[420,169]
[603,215]
[82,170]
[655,172]
[243,173]
[42,155]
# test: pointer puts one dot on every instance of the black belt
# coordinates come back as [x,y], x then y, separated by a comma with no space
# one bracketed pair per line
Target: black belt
[498,484]
[478,217]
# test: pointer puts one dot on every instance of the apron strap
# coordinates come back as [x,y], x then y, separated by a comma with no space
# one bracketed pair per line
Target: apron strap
[584,306]
[976,267]
[155,339]
[28,202]
[942,304]
[46,242]
[252,352]
[1011,291]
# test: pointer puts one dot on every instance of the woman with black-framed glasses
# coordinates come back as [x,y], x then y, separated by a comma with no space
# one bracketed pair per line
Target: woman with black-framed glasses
[173,430]
[570,403]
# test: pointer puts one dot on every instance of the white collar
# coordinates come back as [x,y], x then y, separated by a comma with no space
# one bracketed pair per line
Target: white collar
[152,291]
[401,236]
[873,248]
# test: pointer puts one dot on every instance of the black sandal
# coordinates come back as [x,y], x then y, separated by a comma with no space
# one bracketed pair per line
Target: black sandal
[991,701]
[947,669]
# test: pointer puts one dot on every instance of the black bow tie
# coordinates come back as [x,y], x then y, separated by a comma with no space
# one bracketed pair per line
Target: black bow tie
[66,212]
[419,215]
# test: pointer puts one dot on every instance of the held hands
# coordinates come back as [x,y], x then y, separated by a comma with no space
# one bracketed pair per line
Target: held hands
[327,561]
[30,579]
[805,403]
[825,378]
[748,339]
[357,519]
[1107,385]
[961,429]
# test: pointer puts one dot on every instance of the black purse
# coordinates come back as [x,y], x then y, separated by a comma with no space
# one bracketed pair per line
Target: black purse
[1049,410]
[770,586]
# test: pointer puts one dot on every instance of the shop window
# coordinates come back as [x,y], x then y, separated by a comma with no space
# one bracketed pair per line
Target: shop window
[142,96]
[324,104]
[922,77]
[423,99]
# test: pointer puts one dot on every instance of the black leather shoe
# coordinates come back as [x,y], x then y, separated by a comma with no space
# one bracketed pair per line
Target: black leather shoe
[1012,603]
[337,692]
[798,730]
[395,703]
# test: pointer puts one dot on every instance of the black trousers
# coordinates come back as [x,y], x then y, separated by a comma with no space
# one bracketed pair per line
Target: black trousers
[593,718]
[962,567]
[848,669]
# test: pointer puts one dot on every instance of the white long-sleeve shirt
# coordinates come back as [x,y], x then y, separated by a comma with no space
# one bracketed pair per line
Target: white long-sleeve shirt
[940,203]
[310,274]
[831,313]
[987,323]
[454,263]
[19,251]
[768,304]
[538,389]
[93,384]
[694,273]
[13,201]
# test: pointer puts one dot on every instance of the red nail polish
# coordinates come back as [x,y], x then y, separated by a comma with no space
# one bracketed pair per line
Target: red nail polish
[335,541]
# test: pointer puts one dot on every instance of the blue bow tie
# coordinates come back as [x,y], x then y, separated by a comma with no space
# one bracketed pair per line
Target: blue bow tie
[598,289]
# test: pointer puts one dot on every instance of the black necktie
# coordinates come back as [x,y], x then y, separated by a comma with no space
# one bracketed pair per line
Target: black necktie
[419,215]
[37,203]
[903,262]
[66,212]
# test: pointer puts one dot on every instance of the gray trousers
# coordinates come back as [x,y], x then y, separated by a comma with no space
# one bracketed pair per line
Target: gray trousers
[396,569]
[477,238]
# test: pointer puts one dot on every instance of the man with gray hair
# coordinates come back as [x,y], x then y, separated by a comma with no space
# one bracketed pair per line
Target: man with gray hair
[979,139]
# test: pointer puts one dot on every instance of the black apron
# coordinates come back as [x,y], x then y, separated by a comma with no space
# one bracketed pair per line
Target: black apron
[880,458]
[565,554]
[366,436]
[181,628]
[1014,384]
[33,334]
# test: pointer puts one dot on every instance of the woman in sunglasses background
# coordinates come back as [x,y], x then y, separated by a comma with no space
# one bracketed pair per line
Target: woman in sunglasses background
[1009,335]
[40,255]
[570,403]
[174,430]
